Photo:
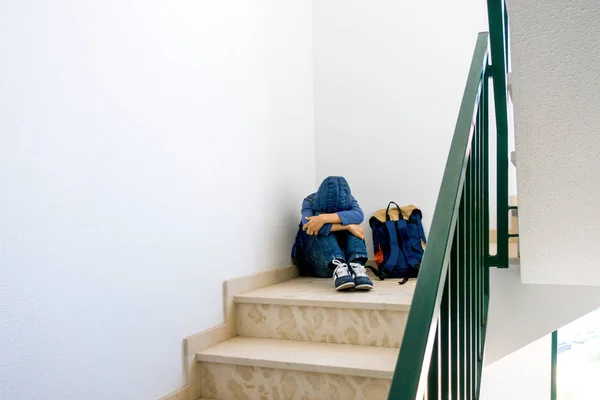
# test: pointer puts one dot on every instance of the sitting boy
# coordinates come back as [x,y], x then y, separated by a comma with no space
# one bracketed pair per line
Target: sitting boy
[330,241]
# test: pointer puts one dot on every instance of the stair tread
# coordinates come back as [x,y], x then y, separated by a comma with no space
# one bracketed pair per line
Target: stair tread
[319,292]
[363,361]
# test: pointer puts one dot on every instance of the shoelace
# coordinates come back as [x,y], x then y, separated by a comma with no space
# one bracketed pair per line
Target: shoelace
[359,269]
[341,269]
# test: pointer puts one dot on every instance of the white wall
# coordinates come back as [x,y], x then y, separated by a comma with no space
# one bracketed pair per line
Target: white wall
[556,96]
[149,150]
[524,375]
[520,314]
[389,77]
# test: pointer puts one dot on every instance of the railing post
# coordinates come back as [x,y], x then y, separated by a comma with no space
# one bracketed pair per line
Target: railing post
[433,388]
[498,19]
[468,270]
[554,365]
[486,168]
[445,338]
[454,310]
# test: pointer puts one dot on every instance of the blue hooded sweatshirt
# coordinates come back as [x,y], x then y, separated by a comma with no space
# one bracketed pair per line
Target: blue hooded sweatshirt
[333,196]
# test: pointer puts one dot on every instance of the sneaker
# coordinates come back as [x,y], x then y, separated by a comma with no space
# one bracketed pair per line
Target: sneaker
[361,279]
[342,279]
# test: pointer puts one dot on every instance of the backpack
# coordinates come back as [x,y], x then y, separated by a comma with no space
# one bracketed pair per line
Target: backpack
[399,242]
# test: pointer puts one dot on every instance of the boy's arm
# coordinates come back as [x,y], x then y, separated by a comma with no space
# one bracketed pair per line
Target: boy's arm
[332,218]
[356,230]
[307,210]
[326,228]
[353,216]
[332,224]
[321,224]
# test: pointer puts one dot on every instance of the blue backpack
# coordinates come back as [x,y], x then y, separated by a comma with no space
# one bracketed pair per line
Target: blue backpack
[399,241]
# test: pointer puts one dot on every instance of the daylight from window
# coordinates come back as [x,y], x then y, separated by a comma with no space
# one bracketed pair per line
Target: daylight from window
[578,374]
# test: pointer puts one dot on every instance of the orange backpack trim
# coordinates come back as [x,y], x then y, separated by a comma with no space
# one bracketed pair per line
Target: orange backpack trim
[379,256]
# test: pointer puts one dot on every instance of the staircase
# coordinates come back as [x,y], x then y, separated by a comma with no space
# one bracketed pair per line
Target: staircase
[301,339]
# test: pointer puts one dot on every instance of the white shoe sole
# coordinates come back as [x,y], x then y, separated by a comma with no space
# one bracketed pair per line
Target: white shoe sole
[347,285]
[363,287]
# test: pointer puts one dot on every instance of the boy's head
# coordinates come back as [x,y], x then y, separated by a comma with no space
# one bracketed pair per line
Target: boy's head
[333,195]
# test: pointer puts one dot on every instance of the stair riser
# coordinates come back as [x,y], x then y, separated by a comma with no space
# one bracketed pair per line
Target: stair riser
[320,324]
[232,382]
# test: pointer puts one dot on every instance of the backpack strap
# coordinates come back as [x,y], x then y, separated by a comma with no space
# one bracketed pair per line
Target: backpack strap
[411,260]
[394,249]
[416,216]
[387,211]
[381,274]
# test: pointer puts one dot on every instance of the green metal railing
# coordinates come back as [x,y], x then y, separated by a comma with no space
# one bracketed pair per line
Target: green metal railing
[499,42]
[441,356]
[554,366]
[442,351]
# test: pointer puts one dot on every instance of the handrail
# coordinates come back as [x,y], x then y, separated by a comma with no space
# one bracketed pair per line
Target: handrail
[499,43]
[554,366]
[442,347]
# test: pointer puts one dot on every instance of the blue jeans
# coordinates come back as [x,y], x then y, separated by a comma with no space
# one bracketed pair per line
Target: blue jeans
[313,253]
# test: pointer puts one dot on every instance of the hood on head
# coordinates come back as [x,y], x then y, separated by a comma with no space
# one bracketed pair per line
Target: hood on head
[333,195]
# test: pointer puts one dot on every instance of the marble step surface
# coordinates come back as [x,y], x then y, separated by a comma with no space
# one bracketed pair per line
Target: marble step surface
[257,368]
[319,292]
[309,309]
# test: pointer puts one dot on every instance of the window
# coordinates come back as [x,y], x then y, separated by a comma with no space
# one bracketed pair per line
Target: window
[578,359]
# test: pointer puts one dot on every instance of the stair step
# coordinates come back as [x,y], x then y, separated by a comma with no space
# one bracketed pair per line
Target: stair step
[268,369]
[319,292]
[342,359]
[310,309]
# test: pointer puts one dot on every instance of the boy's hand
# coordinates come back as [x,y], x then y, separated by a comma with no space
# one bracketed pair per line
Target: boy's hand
[357,231]
[314,224]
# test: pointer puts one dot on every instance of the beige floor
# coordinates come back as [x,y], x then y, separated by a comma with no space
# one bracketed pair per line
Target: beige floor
[319,292]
